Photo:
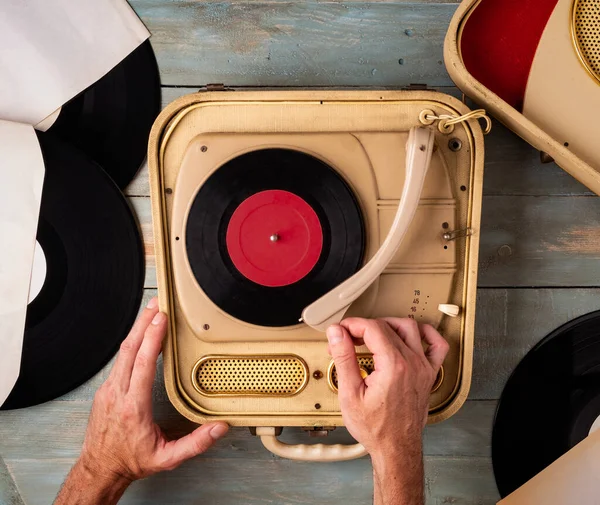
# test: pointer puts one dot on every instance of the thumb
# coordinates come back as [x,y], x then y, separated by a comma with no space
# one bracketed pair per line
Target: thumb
[197,442]
[341,348]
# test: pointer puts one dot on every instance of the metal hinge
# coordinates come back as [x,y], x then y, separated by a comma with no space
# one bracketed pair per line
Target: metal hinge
[318,431]
[416,87]
[218,86]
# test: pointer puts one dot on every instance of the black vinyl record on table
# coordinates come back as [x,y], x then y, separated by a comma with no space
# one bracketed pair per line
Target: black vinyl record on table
[312,186]
[110,121]
[548,404]
[94,278]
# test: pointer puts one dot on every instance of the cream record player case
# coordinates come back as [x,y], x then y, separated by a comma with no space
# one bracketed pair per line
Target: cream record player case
[220,368]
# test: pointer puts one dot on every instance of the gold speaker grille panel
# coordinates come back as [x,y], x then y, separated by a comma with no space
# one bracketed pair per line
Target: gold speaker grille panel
[365,362]
[586,34]
[280,375]
[367,366]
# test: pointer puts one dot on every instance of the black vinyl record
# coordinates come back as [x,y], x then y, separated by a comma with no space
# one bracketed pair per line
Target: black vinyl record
[321,189]
[548,404]
[94,279]
[110,121]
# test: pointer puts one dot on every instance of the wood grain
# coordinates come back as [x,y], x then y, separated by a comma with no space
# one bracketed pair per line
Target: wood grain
[298,43]
[465,434]
[209,480]
[509,322]
[540,241]
[9,494]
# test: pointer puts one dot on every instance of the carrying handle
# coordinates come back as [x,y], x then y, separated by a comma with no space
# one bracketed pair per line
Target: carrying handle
[314,452]
[331,307]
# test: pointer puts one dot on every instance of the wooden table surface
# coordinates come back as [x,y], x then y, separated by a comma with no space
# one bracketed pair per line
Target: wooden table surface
[538,262]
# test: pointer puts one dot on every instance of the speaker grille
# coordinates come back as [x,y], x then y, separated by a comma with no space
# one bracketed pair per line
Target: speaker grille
[586,31]
[367,365]
[365,361]
[281,375]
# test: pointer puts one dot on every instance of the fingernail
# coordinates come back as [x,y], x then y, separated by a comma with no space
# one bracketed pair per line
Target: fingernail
[153,303]
[218,431]
[334,335]
[158,318]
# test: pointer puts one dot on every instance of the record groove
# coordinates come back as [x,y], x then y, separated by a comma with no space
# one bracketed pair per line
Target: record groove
[320,186]
[94,281]
[110,121]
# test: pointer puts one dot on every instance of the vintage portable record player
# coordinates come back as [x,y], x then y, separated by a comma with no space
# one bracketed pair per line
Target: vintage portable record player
[274,210]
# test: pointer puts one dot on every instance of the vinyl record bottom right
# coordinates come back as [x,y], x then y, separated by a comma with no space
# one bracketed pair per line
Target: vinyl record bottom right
[550,403]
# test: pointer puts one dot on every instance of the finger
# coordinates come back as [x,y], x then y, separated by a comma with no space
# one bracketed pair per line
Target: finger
[376,335]
[121,371]
[144,368]
[342,351]
[197,442]
[358,342]
[438,346]
[408,330]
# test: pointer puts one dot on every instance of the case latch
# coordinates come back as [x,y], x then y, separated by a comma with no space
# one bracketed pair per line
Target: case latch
[219,86]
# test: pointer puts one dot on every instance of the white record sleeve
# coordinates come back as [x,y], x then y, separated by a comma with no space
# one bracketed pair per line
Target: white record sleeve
[52,50]
[21,178]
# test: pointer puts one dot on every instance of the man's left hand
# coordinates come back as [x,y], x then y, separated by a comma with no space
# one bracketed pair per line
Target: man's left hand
[122,441]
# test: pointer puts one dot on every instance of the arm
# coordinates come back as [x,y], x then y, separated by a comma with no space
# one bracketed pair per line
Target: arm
[122,442]
[387,411]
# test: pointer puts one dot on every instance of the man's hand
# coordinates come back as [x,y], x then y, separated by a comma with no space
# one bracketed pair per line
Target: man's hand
[387,411]
[122,442]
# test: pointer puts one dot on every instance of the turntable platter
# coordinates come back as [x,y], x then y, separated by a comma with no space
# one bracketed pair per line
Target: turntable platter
[271,231]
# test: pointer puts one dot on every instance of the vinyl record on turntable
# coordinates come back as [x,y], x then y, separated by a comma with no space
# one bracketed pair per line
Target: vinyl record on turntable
[550,403]
[270,232]
[110,121]
[90,258]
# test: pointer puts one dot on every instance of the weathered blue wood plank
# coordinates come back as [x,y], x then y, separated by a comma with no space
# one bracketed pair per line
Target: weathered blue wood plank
[509,322]
[540,242]
[59,429]
[211,481]
[298,43]
[9,494]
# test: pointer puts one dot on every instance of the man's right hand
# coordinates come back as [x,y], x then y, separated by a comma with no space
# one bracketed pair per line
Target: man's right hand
[387,411]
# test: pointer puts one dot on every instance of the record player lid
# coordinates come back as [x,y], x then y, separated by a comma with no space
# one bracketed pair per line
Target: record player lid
[573,478]
[529,62]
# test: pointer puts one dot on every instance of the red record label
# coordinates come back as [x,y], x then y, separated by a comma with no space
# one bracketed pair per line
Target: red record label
[274,238]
